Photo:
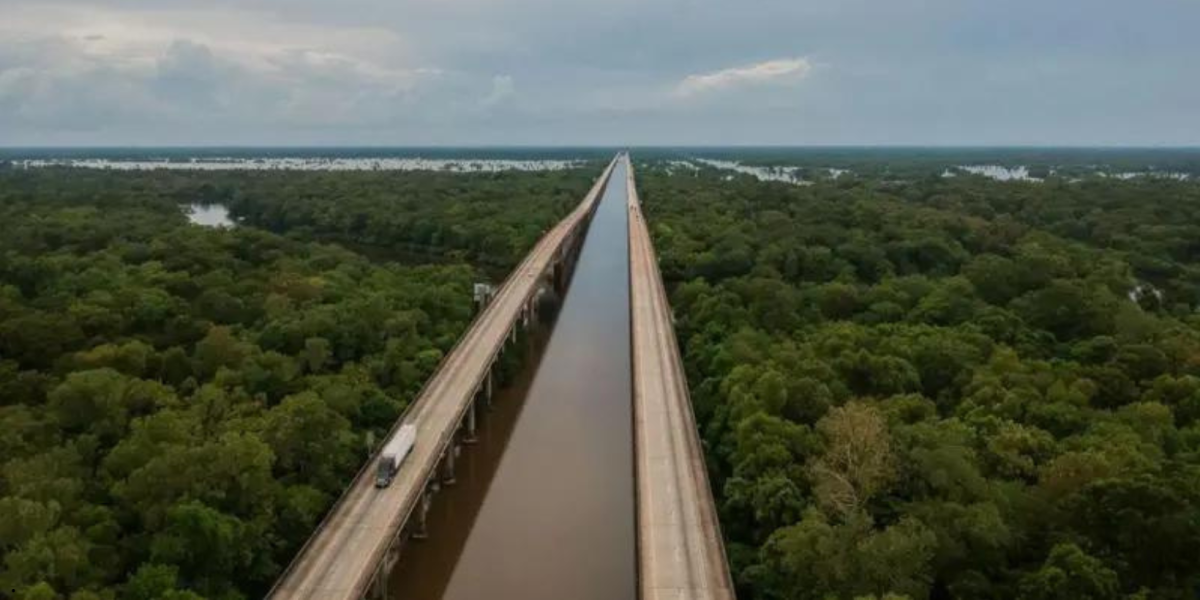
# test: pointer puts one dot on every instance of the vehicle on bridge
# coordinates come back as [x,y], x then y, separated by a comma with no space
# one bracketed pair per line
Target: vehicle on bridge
[394,453]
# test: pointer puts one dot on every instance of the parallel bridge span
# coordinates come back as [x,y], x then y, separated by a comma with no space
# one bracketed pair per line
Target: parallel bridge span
[354,547]
[680,552]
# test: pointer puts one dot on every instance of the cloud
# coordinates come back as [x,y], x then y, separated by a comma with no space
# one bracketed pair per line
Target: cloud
[503,89]
[426,72]
[53,84]
[781,70]
[189,74]
[66,84]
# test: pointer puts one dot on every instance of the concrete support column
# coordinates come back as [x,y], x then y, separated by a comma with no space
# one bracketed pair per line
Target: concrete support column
[381,581]
[469,433]
[393,555]
[487,388]
[421,530]
[448,464]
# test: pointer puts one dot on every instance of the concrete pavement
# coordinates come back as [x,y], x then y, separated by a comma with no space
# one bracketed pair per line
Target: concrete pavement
[680,551]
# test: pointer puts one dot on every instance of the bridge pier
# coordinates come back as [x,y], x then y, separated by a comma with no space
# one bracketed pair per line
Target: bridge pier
[469,433]
[380,587]
[563,263]
[487,388]
[421,528]
[448,464]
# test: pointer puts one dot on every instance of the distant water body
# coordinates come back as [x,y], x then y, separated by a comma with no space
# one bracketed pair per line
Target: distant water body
[514,153]
[470,165]
[448,159]
[209,215]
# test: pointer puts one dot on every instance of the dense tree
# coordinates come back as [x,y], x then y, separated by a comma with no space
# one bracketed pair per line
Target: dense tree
[180,405]
[942,387]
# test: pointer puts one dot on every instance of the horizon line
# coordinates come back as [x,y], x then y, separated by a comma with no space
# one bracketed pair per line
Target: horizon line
[603,146]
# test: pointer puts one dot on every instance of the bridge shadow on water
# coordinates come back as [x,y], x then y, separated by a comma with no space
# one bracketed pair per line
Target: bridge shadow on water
[425,567]
[543,505]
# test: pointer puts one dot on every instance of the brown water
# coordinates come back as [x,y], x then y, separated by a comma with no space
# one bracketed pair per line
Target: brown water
[543,508]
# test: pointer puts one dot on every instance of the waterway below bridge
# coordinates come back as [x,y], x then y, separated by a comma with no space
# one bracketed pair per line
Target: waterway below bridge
[543,507]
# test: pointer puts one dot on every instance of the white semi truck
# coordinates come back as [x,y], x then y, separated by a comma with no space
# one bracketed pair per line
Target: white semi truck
[394,453]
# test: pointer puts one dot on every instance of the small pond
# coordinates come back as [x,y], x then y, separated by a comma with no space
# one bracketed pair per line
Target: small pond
[209,215]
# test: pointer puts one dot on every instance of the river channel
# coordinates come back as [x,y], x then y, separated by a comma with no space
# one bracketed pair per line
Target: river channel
[543,507]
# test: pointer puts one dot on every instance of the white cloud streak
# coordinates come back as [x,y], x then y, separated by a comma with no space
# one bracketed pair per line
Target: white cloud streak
[777,71]
[486,72]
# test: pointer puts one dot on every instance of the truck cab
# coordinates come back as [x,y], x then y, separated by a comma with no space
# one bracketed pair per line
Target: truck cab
[384,472]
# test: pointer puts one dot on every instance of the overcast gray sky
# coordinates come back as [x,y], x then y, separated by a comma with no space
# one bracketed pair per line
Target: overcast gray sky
[445,72]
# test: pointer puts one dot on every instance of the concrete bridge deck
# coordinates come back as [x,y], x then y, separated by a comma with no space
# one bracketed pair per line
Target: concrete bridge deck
[680,551]
[354,545]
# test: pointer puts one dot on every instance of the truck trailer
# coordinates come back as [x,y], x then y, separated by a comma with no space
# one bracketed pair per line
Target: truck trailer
[394,453]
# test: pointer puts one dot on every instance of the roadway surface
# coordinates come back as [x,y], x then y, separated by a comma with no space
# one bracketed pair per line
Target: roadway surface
[680,552]
[343,555]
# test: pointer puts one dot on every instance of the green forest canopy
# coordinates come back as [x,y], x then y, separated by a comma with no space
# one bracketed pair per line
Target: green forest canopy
[180,405]
[908,386]
[943,387]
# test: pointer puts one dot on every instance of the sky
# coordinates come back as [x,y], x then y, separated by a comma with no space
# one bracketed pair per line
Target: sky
[617,72]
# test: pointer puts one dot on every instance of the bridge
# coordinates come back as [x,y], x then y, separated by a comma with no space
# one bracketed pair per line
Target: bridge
[357,543]
[680,552]
[679,547]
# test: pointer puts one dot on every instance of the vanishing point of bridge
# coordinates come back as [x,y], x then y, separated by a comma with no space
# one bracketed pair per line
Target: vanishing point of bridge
[680,554]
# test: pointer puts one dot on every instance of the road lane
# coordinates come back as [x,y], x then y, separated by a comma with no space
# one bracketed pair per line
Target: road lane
[680,551]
